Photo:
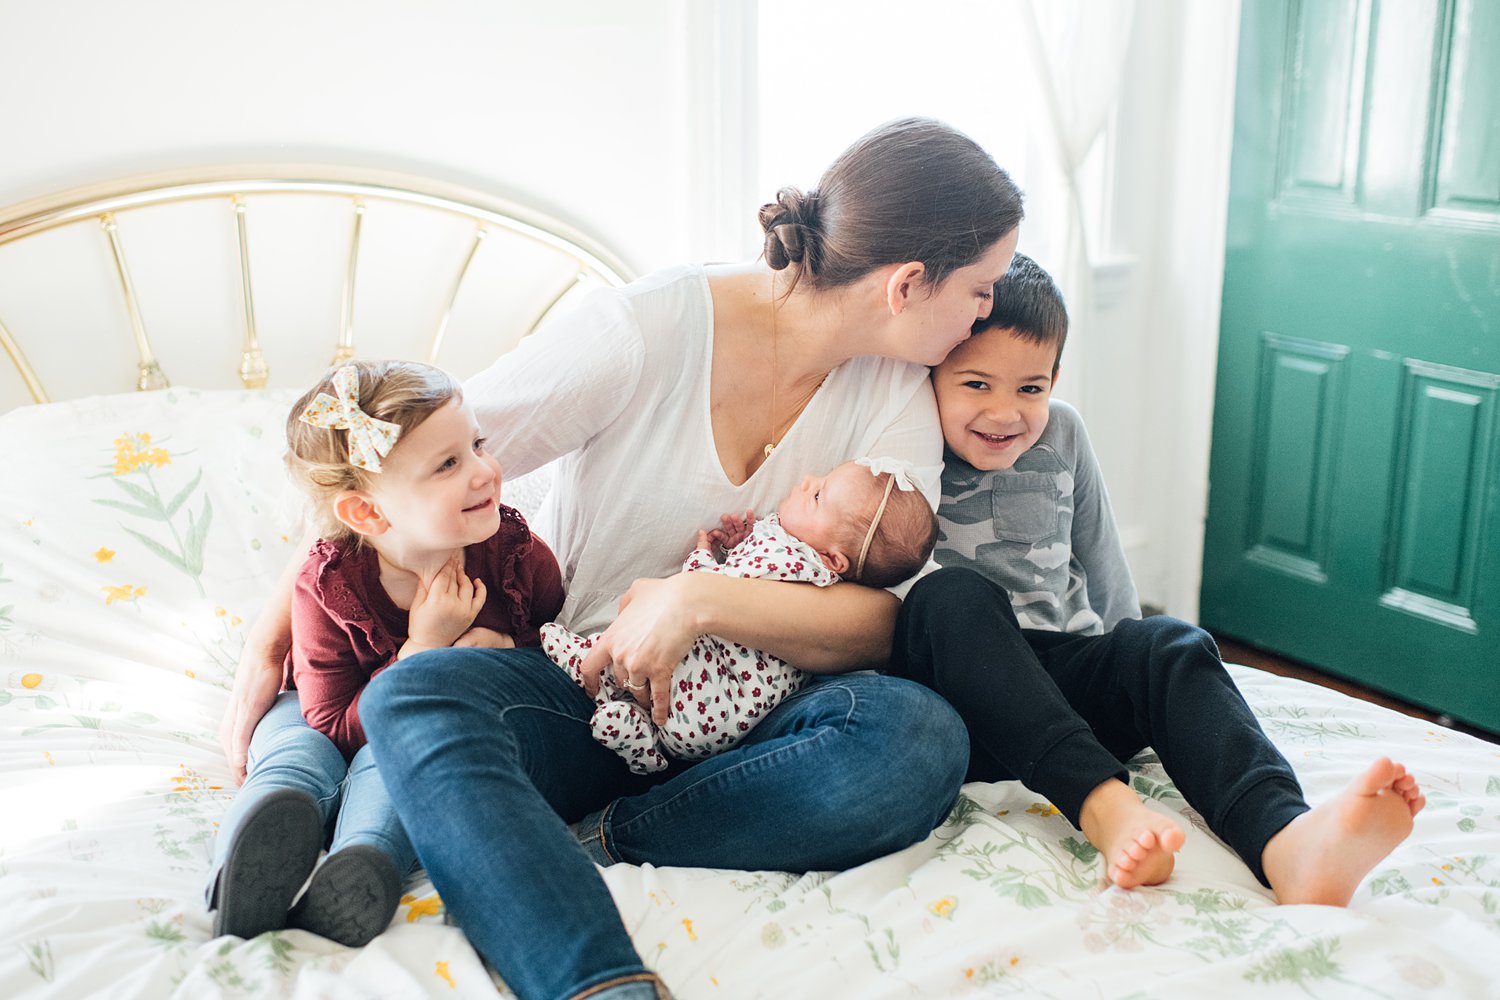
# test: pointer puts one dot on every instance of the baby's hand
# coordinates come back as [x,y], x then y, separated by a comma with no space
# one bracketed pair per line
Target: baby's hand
[732,529]
[445,606]
[485,638]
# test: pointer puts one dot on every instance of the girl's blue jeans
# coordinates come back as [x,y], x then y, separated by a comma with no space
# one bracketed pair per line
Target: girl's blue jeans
[488,757]
[285,752]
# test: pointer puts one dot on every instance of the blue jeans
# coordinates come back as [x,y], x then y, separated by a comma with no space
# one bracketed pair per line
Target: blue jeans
[285,752]
[488,756]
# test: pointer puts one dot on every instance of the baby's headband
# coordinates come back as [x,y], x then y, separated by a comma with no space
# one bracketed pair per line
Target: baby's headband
[370,439]
[903,474]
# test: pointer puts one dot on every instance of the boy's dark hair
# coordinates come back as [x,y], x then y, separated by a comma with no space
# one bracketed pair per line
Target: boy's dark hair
[1027,301]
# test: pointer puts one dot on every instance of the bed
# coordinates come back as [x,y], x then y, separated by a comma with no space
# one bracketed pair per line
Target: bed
[141,530]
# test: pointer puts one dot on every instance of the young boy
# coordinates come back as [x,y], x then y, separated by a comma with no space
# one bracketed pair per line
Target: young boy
[1033,631]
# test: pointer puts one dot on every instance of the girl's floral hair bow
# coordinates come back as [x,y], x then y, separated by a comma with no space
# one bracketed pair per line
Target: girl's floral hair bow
[370,439]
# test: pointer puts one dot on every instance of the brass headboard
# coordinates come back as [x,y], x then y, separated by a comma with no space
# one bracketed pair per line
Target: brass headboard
[111,207]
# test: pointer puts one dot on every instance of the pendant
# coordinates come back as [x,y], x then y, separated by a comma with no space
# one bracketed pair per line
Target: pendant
[770,447]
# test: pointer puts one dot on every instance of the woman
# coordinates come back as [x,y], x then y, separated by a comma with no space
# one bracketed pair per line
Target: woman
[693,392]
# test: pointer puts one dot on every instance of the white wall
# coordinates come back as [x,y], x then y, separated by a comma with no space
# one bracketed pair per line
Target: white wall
[576,106]
[638,122]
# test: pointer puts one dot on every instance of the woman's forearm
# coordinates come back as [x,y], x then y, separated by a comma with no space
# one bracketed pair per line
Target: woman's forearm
[818,629]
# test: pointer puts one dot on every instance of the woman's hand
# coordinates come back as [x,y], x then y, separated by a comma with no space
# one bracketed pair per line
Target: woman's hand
[654,631]
[257,682]
[485,638]
[443,609]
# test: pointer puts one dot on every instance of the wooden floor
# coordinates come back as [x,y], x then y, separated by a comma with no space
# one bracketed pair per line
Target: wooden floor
[1237,652]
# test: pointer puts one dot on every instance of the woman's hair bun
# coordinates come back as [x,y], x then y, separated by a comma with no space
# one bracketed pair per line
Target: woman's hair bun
[790,223]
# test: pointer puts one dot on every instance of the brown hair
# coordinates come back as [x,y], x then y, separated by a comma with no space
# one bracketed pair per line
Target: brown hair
[903,540]
[404,393]
[911,190]
[1028,303]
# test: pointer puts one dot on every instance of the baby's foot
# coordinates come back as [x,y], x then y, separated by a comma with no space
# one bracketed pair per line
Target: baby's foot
[1321,856]
[1139,846]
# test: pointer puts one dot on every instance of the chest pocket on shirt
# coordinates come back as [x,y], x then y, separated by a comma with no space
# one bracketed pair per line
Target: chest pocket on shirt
[1026,507]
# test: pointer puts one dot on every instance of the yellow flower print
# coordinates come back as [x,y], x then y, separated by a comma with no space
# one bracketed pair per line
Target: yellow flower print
[134,450]
[124,592]
[104,555]
[688,926]
[220,612]
[427,906]
[943,907]
[31,680]
[1044,809]
[442,973]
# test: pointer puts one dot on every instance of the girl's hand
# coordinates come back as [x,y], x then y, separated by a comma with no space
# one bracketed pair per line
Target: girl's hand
[652,634]
[485,638]
[732,529]
[257,682]
[444,607]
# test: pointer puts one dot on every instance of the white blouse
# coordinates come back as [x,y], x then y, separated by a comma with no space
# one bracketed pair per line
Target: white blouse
[617,393]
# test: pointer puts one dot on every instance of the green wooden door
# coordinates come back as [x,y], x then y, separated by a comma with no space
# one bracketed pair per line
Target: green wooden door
[1354,505]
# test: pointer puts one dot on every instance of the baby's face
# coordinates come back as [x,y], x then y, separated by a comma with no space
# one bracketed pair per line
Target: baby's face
[819,510]
[993,396]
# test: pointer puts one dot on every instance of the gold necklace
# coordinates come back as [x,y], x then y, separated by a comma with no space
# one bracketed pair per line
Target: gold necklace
[779,429]
[771,444]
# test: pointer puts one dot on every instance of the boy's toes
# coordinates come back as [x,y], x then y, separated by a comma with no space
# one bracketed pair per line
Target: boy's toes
[1172,839]
[1142,845]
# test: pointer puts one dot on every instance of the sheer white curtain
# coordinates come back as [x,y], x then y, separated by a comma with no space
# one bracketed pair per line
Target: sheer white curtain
[1075,50]
[1033,81]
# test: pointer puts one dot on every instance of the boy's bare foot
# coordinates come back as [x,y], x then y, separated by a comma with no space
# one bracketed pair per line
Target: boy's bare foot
[1138,845]
[1321,856]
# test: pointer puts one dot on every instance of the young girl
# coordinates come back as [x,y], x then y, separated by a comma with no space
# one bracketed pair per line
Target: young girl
[865,522]
[416,553]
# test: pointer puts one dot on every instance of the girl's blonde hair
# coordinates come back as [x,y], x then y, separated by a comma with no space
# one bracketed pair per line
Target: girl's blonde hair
[404,393]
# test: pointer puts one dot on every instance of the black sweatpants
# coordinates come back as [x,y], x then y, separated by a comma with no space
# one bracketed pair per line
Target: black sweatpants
[1062,712]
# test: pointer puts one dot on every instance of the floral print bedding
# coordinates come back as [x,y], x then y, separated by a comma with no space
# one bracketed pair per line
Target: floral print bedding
[139,535]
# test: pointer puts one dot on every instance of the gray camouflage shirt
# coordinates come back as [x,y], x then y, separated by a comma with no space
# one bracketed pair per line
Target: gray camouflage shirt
[1043,530]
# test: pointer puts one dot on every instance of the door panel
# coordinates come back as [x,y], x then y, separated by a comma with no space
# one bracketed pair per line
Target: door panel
[1354,507]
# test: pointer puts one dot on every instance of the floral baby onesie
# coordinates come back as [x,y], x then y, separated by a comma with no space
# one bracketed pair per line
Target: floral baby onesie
[721,688]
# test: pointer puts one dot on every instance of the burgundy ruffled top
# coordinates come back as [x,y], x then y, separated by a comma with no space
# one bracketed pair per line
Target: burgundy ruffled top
[346,629]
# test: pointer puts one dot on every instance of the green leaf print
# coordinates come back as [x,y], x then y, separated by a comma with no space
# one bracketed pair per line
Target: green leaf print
[136,456]
[135,510]
[183,494]
[158,549]
[1029,896]
[146,498]
[1081,849]
[165,933]
[1297,965]
[197,535]
[39,957]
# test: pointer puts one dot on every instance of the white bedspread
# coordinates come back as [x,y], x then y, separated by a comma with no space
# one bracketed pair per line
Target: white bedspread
[138,537]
